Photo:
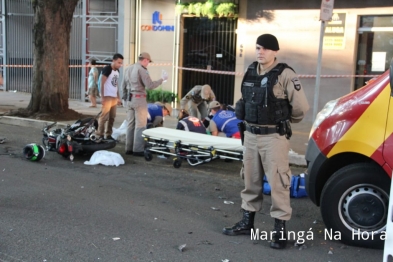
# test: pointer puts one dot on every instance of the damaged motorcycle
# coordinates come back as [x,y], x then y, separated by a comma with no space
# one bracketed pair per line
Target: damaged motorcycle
[78,138]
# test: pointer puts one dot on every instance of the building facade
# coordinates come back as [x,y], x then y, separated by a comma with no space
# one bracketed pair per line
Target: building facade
[357,43]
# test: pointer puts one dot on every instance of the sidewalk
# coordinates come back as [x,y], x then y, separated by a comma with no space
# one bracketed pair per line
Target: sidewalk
[14,100]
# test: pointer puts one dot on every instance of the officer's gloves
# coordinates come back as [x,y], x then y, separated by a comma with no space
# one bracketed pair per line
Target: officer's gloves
[164,75]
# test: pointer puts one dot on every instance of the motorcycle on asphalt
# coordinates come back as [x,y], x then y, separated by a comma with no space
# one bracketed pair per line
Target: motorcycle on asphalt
[78,138]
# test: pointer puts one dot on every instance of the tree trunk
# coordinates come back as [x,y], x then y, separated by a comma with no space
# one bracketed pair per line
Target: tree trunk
[52,27]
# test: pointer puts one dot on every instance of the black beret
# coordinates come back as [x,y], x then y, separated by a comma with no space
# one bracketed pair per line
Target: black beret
[268,41]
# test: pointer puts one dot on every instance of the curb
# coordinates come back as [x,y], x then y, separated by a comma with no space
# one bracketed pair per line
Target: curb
[27,122]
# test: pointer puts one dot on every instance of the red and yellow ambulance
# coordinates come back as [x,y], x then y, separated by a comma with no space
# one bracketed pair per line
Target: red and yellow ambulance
[350,162]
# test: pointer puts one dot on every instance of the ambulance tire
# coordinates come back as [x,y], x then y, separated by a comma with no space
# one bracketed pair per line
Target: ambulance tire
[361,188]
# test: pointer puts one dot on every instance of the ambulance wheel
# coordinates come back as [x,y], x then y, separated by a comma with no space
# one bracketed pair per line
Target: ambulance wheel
[355,202]
[177,163]
[148,156]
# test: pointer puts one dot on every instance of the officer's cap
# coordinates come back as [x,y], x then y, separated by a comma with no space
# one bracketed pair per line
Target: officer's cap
[167,106]
[145,55]
[214,104]
[268,41]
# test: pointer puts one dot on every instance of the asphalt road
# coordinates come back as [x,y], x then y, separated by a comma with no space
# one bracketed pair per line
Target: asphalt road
[56,210]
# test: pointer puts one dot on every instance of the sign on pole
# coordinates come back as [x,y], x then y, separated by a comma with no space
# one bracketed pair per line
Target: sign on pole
[326,10]
[325,15]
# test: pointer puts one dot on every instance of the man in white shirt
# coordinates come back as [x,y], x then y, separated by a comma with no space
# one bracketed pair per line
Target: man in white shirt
[110,97]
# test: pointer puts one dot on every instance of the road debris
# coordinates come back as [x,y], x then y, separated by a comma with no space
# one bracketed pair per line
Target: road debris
[181,247]
[205,242]
[301,245]
[116,238]
[228,202]
[215,208]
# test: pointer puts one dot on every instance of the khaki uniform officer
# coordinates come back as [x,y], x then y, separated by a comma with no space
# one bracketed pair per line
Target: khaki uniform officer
[272,96]
[135,83]
[196,100]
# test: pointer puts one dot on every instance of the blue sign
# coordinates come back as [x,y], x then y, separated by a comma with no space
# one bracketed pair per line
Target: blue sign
[157,18]
[157,24]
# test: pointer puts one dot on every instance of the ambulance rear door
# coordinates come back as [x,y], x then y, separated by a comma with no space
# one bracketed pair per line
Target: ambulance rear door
[388,144]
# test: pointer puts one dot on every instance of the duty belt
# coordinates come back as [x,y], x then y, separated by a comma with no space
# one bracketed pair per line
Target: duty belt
[261,130]
[136,96]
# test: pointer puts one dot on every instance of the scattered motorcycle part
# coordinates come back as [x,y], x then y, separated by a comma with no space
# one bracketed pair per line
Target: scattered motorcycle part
[93,137]
[62,150]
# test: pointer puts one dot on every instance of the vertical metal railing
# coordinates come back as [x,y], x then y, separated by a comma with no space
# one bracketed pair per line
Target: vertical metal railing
[101,33]
[18,47]
[75,71]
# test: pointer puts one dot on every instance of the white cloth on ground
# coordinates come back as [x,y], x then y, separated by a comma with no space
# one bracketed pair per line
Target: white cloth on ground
[105,158]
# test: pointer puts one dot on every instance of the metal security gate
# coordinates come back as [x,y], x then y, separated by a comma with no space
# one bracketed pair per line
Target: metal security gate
[18,39]
[210,44]
[19,45]
[102,33]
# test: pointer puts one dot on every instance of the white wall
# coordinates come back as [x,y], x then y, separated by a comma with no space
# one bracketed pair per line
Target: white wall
[159,44]
[298,34]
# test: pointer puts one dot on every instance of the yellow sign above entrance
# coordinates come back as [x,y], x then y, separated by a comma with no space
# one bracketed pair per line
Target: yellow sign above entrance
[335,32]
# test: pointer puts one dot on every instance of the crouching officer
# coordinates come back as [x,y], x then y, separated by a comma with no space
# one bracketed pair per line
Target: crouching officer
[196,100]
[272,96]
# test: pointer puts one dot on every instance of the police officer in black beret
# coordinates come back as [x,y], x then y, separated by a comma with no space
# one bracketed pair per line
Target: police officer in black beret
[272,98]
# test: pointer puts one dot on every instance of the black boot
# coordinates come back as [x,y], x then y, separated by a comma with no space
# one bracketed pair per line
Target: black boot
[244,226]
[279,240]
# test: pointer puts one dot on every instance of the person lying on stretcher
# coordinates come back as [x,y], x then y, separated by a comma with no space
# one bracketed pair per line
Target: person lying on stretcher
[190,123]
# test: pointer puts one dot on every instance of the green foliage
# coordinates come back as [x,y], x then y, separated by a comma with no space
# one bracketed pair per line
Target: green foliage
[208,8]
[226,9]
[179,8]
[195,8]
[161,95]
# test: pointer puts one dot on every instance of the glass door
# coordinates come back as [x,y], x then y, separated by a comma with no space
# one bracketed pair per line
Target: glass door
[375,47]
